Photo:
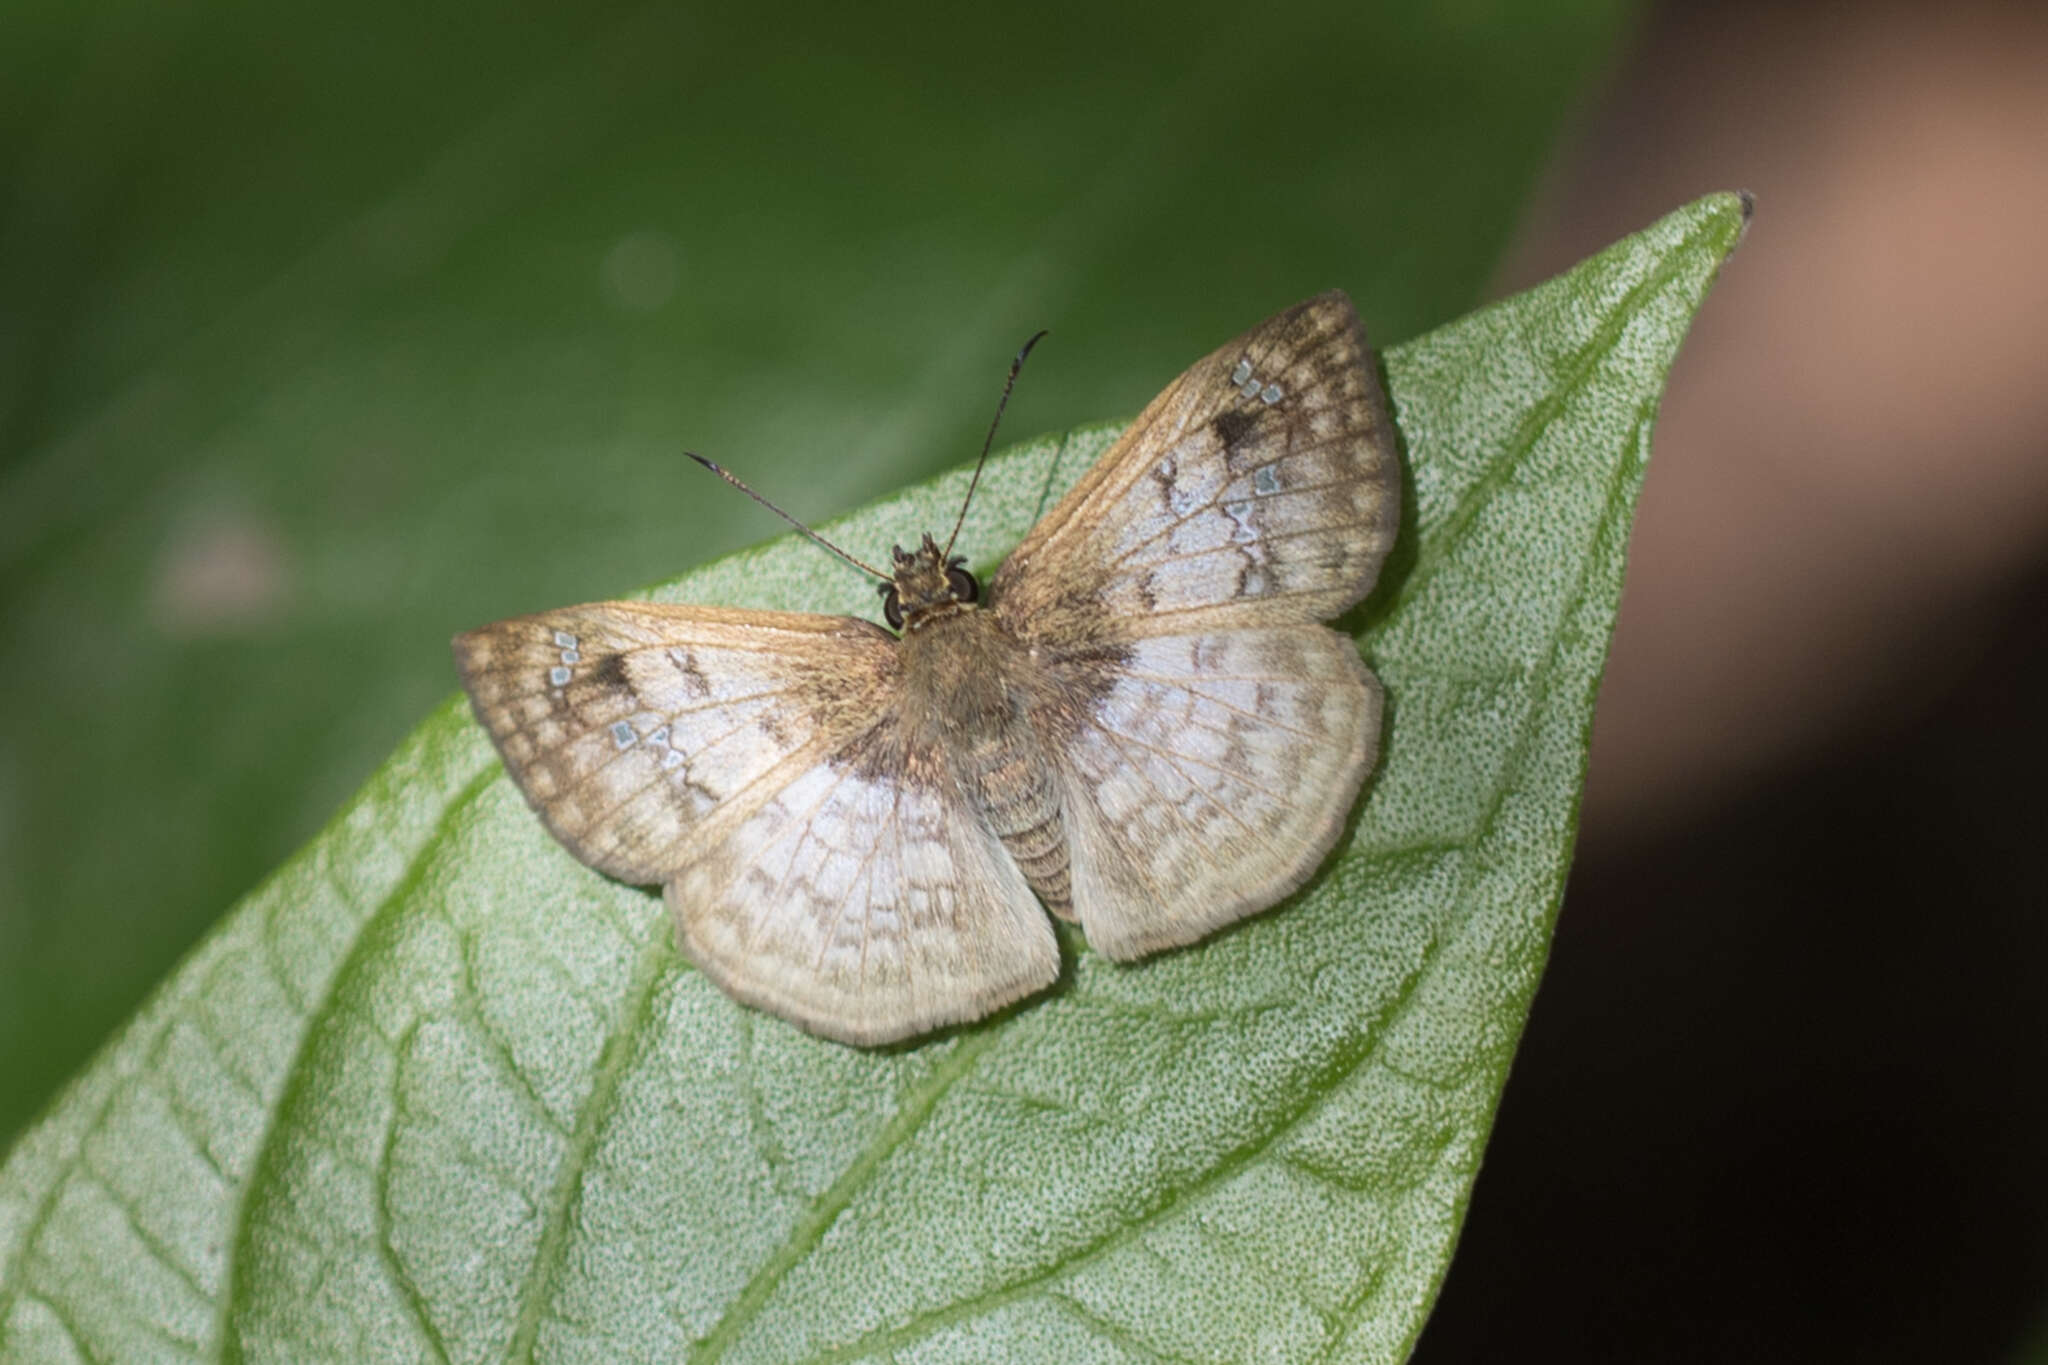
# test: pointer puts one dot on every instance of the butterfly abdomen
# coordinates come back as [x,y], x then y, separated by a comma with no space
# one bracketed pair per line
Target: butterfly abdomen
[1020,800]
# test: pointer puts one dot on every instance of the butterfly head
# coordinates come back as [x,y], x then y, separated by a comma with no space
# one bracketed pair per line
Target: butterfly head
[926,585]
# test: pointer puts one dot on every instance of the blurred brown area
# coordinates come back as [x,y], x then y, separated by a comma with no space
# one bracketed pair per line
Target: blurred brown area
[1855,447]
[1781,1096]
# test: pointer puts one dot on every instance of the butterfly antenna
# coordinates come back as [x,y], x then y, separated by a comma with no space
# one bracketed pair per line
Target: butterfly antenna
[736,482]
[1001,403]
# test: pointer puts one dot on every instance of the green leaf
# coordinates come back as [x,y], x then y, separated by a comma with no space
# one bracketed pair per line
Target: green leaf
[435,1091]
[321,341]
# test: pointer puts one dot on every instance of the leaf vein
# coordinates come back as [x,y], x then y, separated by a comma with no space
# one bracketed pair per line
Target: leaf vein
[620,1050]
[809,1230]
[262,1170]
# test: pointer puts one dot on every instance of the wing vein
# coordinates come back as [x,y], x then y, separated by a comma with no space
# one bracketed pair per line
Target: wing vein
[1211,798]
[1241,547]
[1194,837]
[803,837]
[658,773]
[1173,680]
[1308,735]
[1131,624]
[711,705]
[867,920]
[867,869]
[1170,758]
[1265,499]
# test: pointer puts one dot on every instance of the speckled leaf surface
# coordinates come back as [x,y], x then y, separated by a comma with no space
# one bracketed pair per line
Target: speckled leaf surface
[321,341]
[436,1092]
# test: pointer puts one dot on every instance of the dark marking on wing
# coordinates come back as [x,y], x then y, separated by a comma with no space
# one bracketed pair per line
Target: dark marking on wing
[1163,474]
[1232,424]
[695,685]
[610,672]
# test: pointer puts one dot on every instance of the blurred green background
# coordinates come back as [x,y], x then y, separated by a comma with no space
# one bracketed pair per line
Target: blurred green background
[329,332]
[325,333]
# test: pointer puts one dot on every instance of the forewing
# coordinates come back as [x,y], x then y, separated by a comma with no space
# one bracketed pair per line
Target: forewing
[1210,777]
[628,724]
[1262,486]
[865,902]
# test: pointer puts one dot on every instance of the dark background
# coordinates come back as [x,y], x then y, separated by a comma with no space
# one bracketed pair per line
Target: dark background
[325,335]
[1781,1096]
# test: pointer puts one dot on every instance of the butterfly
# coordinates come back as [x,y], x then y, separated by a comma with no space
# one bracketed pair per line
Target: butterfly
[1141,725]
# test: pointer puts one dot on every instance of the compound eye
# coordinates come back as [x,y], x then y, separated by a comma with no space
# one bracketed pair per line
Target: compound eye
[965,589]
[892,608]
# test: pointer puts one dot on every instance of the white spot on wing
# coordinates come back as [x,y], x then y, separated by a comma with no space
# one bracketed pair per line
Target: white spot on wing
[559,676]
[1251,386]
[623,734]
[1240,514]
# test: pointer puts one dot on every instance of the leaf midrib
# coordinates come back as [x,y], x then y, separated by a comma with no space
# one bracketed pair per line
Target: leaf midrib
[656,964]
[1323,1088]
[810,1230]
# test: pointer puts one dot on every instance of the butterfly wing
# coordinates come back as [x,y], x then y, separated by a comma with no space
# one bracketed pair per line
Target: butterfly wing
[1261,486]
[865,902]
[752,762]
[627,724]
[1211,736]
[1210,778]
